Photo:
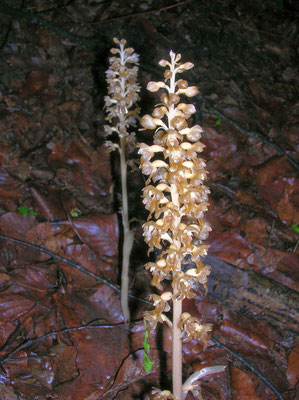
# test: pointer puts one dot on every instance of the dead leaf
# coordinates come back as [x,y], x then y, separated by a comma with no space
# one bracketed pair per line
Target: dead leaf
[14,306]
[288,205]
[49,203]
[229,246]
[293,366]
[243,385]
[256,231]
[35,82]
[131,371]
[100,232]
[65,368]
[10,188]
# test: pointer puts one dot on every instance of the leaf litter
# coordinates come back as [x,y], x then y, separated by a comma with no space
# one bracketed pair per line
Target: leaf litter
[52,162]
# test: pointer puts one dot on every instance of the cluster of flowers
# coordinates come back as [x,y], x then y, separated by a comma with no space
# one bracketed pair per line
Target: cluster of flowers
[174,195]
[123,91]
[122,114]
[176,198]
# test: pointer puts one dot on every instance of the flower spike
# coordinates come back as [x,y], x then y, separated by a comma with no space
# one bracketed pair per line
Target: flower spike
[176,199]
[122,112]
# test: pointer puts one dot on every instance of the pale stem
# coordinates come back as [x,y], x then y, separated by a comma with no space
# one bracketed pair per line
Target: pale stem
[217,369]
[177,350]
[128,234]
[191,381]
[177,304]
[177,312]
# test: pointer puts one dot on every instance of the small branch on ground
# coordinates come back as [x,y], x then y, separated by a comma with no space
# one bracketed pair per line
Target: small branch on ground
[30,342]
[141,13]
[249,366]
[36,19]
[248,132]
[71,264]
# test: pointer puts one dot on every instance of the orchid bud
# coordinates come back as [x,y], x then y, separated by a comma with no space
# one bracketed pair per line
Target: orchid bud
[147,122]
[189,91]
[155,86]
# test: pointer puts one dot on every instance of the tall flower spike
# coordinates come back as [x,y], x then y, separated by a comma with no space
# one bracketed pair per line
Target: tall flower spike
[122,112]
[176,198]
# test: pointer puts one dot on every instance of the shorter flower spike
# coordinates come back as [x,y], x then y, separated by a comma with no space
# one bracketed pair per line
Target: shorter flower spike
[122,113]
[121,102]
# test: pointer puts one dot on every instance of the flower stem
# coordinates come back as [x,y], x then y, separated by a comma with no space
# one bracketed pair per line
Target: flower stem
[177,312]
[177,351]
[128,234]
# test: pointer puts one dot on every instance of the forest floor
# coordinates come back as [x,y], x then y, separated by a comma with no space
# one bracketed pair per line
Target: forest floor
[62,334]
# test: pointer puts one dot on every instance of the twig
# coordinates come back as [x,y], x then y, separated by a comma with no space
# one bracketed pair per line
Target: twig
[25,358]
[4,34]
[250,28]
[58,7]
[270,233]
[36,19]
[71,264]
[30,342]
[248,132]
[138,14]
[249,366]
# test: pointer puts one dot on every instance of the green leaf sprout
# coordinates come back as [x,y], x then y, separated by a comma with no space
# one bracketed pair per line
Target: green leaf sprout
[24,210]
[295,228]
[75,212]
[147,363]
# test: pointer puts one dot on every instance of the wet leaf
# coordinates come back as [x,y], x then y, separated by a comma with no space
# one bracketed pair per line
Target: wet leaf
[243,385]
[14,306]
[85,172]
[293,366]
[131,371]
[35,82]
[100,232]
[53,162]
[287,206]
[10,188]
[229,246]
[97,361]
[49,203]
[16,225]
[65,368]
